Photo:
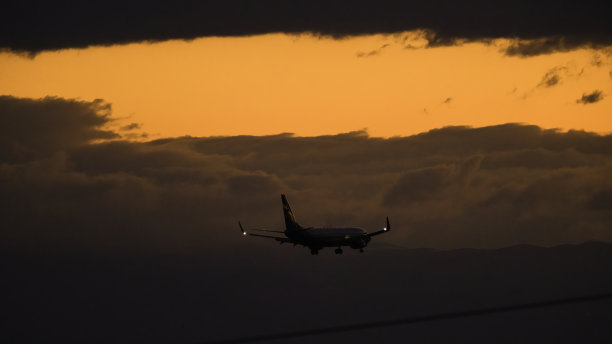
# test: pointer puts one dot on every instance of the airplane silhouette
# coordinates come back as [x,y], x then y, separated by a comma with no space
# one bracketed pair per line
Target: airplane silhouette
[316,238]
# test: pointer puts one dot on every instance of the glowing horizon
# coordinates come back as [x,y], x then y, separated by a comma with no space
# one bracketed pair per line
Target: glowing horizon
[309,86]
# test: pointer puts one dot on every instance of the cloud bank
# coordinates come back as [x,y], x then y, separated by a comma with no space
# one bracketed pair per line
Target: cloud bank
[536,27]
[37,128]
[446,188]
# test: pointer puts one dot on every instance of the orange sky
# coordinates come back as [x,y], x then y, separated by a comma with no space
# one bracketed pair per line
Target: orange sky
[310,86]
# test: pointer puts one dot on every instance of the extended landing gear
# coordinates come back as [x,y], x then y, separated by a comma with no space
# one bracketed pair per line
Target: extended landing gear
[338,251]
[360,250]
[314,251]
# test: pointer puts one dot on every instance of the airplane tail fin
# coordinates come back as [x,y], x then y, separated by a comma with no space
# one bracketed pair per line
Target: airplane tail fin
[290,222]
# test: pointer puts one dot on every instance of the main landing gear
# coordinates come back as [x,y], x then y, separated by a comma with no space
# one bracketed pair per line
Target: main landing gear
[338,250]
[314,251]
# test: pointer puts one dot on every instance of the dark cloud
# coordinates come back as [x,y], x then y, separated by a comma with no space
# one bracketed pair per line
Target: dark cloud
[590,98]
[596,60]
[447,100]
[494,186]
[372,52]
[135,136]
[131,126]
[602,200]
[549,80]
[554,44]
[540,27]
[553,76]
[428,183]
[37,127]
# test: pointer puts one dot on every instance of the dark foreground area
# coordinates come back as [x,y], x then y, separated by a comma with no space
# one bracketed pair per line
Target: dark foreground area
[189,298]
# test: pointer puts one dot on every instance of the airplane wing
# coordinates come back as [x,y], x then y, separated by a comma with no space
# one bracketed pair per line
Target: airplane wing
[279,239]
[384,230]
[265,230]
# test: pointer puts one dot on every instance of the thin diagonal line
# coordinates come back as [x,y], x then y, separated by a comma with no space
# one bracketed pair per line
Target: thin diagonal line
[412,320]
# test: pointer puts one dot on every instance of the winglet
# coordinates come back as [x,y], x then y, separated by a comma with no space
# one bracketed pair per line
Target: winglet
[384,230]
[241,229]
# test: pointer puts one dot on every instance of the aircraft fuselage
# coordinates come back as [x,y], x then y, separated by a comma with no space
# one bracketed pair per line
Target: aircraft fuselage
[319,237]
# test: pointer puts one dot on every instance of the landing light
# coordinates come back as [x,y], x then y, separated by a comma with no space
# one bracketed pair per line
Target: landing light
[243,233]
[384,229]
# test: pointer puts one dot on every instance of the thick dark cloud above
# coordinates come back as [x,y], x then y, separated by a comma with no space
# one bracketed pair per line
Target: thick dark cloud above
[447,188]
[538,27]
[553,44]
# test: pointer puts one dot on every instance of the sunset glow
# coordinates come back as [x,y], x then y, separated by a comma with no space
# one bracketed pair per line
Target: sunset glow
[311,86]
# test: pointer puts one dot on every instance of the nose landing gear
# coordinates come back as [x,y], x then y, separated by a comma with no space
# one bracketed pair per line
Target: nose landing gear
[338,250]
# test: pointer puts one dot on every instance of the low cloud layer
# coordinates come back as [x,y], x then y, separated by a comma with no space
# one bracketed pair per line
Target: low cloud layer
[447,188]
[538,28]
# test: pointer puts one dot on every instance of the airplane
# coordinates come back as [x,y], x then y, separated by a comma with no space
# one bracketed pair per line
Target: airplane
[316,238]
